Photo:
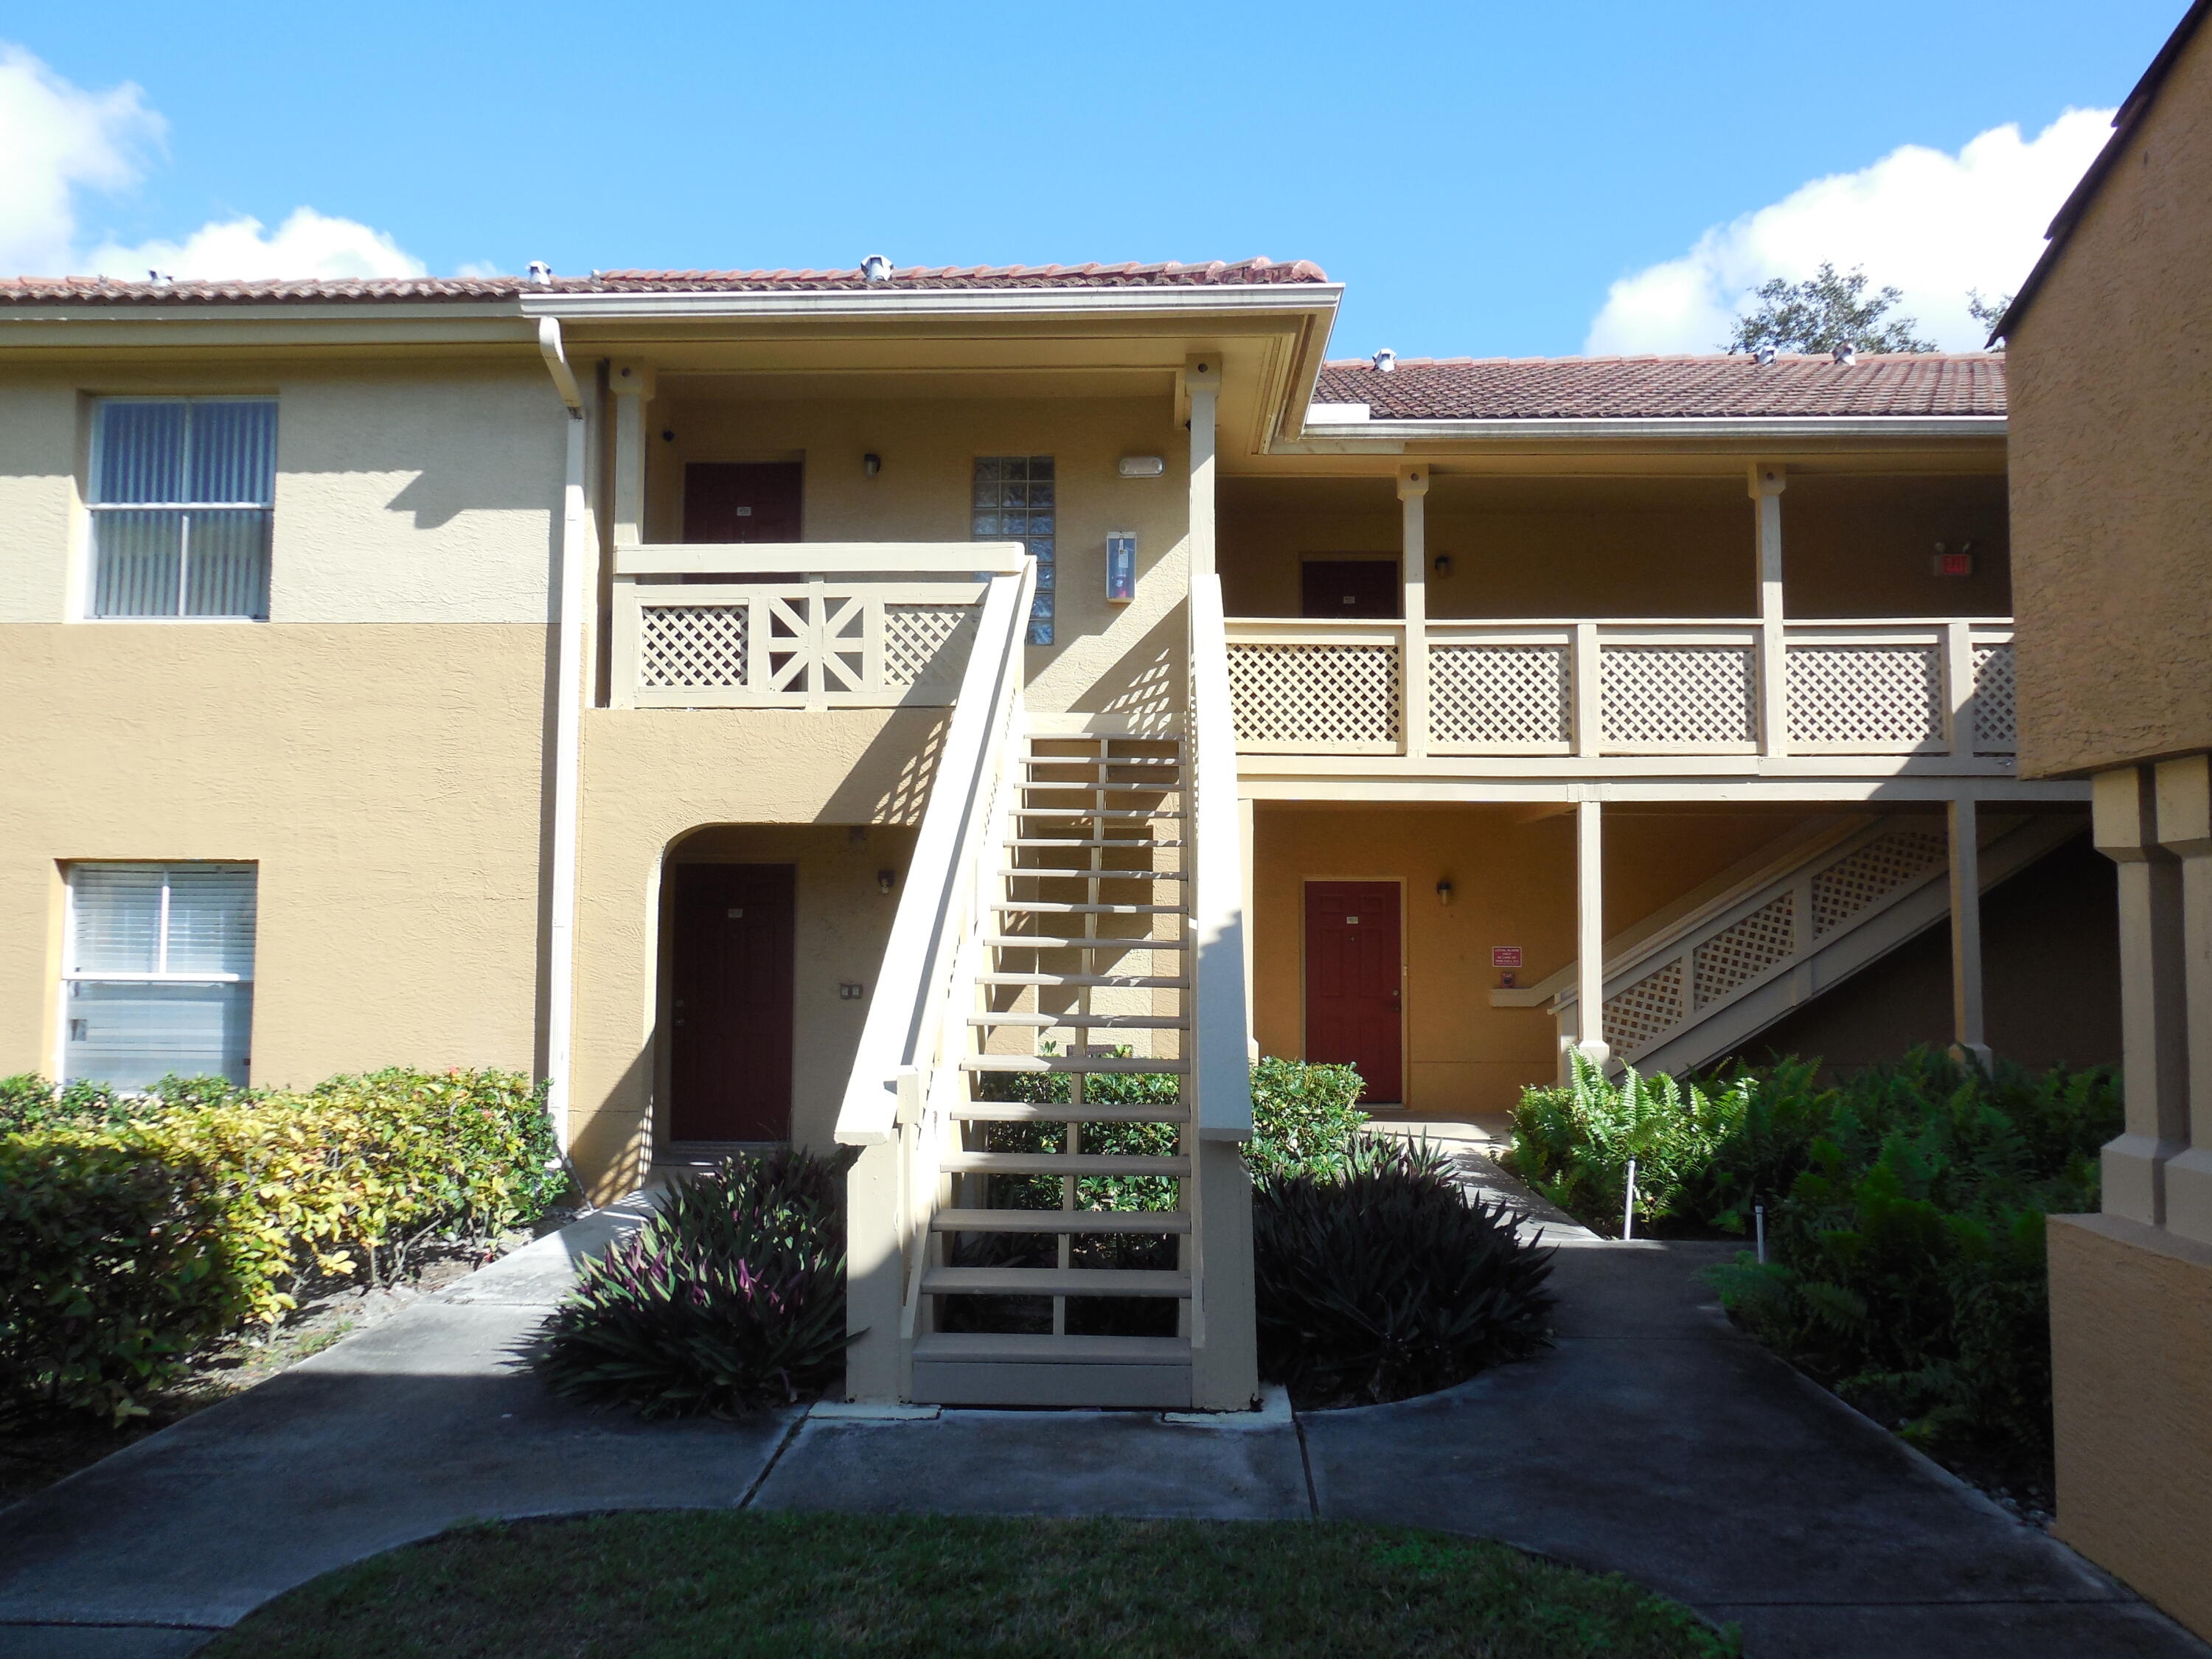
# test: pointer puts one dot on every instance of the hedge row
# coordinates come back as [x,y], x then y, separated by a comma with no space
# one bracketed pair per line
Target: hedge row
[135,1230]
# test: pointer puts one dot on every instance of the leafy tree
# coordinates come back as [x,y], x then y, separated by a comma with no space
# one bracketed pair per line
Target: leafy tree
[1828,310]
[1986,312]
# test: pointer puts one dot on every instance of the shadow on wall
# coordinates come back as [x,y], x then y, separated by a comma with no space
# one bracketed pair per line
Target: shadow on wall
[1144,685]
[862,796]
[612,1137]
[2051,957]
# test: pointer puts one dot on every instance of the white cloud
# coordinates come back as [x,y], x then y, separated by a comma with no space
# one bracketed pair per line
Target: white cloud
[1930,223]
[60,142]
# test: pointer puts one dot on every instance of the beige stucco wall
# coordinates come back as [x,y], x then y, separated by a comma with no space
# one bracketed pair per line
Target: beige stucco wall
[1107,659]
[1854,545]
[2111,374]
[387,781]
[2131,1351]
[1513,879]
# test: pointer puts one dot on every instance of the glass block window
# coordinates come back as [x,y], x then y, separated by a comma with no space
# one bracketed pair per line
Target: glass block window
[1014,503]
[158,973]
[182,490]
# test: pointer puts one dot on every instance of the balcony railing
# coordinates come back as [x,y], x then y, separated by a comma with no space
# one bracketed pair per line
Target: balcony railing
[798,624]
[1910,687]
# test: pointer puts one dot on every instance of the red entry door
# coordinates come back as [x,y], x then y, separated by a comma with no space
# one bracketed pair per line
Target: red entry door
[1353,995]
[742,500]
[1349,587]
[730,1065]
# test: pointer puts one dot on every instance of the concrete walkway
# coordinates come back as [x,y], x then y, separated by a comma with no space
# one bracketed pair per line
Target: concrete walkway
[1654,1441]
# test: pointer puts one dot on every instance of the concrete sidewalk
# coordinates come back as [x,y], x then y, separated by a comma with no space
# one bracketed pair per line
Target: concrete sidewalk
[1655,1441]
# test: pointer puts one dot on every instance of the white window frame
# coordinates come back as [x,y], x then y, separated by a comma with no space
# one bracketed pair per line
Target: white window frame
[72,975]
[87,583]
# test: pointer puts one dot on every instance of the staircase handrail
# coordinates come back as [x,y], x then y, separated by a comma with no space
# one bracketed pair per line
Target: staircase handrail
[1220,1066]
[942,896]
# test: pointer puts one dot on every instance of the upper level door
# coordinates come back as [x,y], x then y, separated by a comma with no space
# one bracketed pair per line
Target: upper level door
[1349,587]
[742,500]
[1354,1001]
[731,1006]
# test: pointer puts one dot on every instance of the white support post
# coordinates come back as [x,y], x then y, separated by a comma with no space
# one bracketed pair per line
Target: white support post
[632,386]
[1766,482]
[2184,829]
[1588,691]
[1967,1038]
[1412,499]
[2153,999]
[1959,685]
[1589,933]
[1201,379]
[875,1272]
[1247,836]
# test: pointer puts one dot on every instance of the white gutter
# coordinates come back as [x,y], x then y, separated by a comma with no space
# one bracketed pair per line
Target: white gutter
[940,302]
[567,724]
[1763,428]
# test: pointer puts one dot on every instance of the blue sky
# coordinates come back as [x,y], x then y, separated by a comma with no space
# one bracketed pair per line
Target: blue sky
[1480,174]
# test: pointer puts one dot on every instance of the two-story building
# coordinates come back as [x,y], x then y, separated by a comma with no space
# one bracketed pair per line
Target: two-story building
[778,706]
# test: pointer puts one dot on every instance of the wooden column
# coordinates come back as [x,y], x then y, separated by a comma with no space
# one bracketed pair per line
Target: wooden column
[632,386]
[1413,556]
[2154,998]
[1201,379]
[1766,482]
[1589,933]
[2184,829]
[1967,1040]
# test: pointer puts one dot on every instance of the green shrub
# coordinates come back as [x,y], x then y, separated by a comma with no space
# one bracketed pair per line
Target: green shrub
[1384,1279]
[134,1230]
[732,1295]
[1904,1215]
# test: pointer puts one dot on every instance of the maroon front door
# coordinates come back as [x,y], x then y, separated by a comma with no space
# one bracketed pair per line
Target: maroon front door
[742,500]
[1349,587]
[1352,990]
[730,1065]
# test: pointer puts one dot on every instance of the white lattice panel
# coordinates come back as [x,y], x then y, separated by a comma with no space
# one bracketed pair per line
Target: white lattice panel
[1498,696]
[1873,872]
[1291,696]
[1995,730]
[1746,949]
[1865,697]
[1633,1017]
[926,642]
[1664,696]
[692,648]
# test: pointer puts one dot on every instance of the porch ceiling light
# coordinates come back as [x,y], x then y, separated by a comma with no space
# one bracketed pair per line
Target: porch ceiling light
[1141,467]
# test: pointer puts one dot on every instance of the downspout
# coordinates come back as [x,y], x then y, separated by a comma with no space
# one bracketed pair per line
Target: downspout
[567,723]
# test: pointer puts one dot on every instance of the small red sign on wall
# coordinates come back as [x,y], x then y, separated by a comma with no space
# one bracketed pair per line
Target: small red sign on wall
[1506,956]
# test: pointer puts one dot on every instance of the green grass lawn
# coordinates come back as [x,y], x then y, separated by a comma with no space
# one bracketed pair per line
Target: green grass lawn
[725,1584]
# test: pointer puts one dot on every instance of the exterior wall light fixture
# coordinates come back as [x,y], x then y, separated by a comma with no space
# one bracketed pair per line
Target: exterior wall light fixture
[1444,890]
[1444,564]
[1141,467]
[872,463]
[886,880]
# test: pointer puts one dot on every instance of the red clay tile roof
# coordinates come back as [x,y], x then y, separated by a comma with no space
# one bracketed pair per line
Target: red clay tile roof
[1569,388]
[95,290]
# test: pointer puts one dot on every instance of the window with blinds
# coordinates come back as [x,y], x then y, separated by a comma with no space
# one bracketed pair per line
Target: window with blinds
[182,490]
[158,974]
[1014,503]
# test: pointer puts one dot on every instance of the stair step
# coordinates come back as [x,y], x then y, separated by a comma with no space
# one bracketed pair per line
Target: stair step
[1116,981]
[1072,785]
[1060,1221]
[1133,842]
[988,1348]
[1062,872]
[1096,812]
[1064,908]
[1074,1064]
[1052,1281]
[1062,1163]
[1075,1020]
[1030,752]
[1060,942]
[1014,1111]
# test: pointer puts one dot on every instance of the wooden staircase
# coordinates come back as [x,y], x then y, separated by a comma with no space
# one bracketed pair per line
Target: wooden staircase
[1023,1300]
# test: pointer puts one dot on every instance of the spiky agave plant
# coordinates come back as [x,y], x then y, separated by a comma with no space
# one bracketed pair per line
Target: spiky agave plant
[730,1297]
[1387,1280]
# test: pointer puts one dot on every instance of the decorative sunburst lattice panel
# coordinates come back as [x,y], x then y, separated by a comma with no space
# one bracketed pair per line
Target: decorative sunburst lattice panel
[1668,695]
[1856,695]
[1633,1017]
[923,642]
[692,648]
[1873,872]
[1746,949]
[1996,732]
[1497,695]
[1324,696]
